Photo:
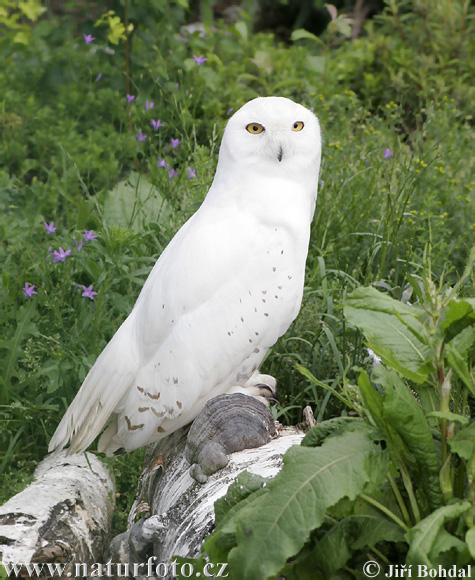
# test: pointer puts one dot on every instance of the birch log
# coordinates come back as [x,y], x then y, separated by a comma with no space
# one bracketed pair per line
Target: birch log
[64,516]
[181,511]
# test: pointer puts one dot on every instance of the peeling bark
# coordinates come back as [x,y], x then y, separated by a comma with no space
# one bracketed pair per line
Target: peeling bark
[64,516]
[181,511]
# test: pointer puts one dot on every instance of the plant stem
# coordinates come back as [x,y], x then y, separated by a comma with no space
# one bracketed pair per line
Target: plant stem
[396,20]
[444,384]
[127,60]
[410,491]
[385,511]
[381,556]
[400,501]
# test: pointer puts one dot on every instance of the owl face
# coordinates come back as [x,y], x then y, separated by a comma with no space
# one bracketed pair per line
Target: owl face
[272,131]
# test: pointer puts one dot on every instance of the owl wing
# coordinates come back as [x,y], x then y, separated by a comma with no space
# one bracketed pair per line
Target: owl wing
[201,324]
[100,392]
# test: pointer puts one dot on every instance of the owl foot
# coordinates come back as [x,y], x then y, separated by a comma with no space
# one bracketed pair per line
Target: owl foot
[227,424]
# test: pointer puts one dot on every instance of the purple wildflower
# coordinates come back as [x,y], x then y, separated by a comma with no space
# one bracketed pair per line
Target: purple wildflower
[156,124]
[388,153]
[89,292]
[191,173]
[230,111]
[50,229]
[172,173]
[149,105]
[162,163]
[89,236]
[98,78]
[130,98]
[61,255]
[175,143]
[79,246]
[140,136]
[29,290]
[88,38]
[199,60]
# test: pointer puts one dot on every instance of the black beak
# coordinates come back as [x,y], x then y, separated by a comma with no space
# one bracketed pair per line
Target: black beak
[280,154]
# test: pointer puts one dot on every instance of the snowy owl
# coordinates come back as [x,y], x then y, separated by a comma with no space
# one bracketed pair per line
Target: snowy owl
[224,290]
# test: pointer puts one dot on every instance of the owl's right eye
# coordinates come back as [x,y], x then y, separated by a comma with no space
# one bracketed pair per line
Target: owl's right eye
[255,128]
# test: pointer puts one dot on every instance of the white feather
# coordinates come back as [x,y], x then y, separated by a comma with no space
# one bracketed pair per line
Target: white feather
[223,291]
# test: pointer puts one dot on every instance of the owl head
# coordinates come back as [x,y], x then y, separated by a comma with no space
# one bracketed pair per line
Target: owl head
[272,131]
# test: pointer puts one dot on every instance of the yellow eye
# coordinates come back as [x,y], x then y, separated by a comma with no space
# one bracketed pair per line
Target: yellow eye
[297,126]
[255,128]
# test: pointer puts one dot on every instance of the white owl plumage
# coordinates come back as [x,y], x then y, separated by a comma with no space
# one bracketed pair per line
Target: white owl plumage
[224,290]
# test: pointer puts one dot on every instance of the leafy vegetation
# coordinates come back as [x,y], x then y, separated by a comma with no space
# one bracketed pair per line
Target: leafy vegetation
[110,124]
[385,479]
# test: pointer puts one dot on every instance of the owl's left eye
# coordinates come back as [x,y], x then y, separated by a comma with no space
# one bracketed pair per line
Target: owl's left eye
[297,126]
[255,128]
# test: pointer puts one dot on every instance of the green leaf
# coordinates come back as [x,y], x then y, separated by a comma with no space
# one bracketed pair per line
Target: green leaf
[405,416]
[32,9]
[456,316]
[424,539]
[449,416]
[352,534]
[245,490]
[458,352]
[470,540]
[302,34]
[277,524]
[368,298]
[372,399]
[245,484]
[463,444]
[331,428]
[391,330]
[135,202]
[241,29]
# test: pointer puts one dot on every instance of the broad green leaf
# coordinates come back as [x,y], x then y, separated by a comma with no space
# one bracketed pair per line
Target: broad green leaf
[405,416]
[463,444]
[372,399]
[458,353]
[241,29]
[244,485]
[425,536]
[135,202]
[245,490]
[456,316]
[368,298]
[352,534]
[277,524]
[449,550]
[302,34]
[331,428]
[470,539]
[454,417]
[391,330]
